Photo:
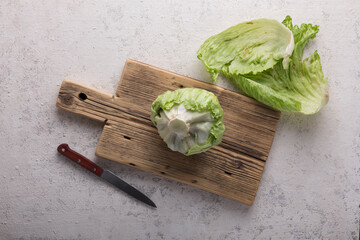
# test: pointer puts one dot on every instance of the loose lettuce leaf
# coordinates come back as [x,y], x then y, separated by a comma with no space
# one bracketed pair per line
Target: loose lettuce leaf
[299,88]
[248,47]
[202,114]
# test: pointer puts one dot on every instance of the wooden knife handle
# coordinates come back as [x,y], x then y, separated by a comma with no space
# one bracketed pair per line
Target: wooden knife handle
[65,150]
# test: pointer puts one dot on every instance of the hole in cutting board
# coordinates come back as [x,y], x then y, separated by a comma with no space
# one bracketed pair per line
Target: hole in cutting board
[228,173]
[82,96]
[132,164]
[127,137]
[181,86]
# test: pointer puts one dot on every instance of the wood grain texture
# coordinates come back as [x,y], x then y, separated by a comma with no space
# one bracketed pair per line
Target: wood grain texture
[232,169]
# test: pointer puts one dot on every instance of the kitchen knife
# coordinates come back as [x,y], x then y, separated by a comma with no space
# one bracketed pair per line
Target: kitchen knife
[65,150]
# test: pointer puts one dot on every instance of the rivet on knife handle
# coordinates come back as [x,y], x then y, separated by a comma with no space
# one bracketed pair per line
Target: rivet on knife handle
[65,150]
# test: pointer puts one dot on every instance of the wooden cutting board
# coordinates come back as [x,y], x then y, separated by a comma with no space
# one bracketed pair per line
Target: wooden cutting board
[232,169]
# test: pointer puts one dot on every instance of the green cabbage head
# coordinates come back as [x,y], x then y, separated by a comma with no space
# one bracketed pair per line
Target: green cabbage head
[189,120]
[264,59]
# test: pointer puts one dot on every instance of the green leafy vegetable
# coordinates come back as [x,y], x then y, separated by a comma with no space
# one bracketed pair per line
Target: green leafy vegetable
[299,86]
[249,47]
[189,120]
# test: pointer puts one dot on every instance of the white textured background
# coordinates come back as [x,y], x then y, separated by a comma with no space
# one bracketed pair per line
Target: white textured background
[310,187]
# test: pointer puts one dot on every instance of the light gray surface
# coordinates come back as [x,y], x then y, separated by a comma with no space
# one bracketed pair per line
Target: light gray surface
[310,187]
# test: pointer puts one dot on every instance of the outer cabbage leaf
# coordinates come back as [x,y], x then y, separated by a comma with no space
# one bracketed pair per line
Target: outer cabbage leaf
[202,116]
[248,47]
[299,88]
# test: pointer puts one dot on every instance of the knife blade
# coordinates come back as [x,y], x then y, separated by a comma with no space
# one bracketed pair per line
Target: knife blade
[108,176]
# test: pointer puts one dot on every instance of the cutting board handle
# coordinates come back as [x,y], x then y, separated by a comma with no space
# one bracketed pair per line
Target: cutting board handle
[86,101]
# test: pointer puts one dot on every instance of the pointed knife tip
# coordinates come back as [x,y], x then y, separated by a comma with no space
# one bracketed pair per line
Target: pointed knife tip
[151,203]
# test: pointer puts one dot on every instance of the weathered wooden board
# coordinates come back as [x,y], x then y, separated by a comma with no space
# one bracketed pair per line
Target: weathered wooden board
[232,169]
